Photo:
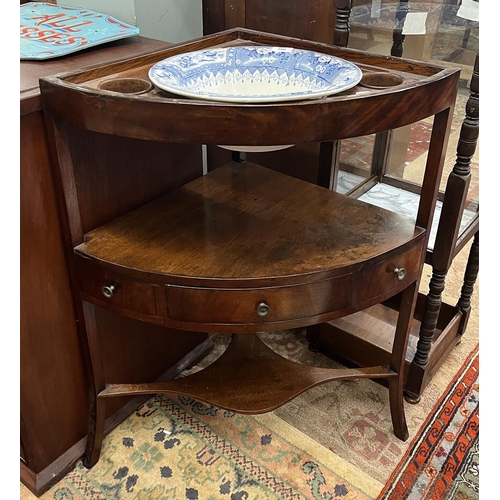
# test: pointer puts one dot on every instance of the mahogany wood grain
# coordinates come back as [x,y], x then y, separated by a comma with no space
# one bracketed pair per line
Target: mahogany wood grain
[50,425]
[213,13]
[114,174]
[397,362]
[448,244]
[226,239]
[310,20]
[306,19]
[258,367]
[234,13]
[172,347]
[186,120]
[129,293]
[51,413]
[97,412]
[253,231]
[301,161]
[303,270]
[53,394]
[32,71]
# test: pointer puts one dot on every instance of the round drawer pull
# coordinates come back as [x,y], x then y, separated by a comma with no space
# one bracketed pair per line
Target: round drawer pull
[108,291]
[400,272]
[263,309]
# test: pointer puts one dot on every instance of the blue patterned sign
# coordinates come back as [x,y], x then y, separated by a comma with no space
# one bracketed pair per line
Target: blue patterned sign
[49,30]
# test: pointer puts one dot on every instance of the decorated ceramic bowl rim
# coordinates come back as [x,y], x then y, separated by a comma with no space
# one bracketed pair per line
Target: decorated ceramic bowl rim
[190,74]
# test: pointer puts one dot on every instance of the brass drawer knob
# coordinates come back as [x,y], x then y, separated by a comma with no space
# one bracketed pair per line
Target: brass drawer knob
[400,273]
[108,291]
[263,309]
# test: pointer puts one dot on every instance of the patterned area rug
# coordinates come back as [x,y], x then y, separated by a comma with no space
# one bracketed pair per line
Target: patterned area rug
[443,460]
[183,449]
[334,441]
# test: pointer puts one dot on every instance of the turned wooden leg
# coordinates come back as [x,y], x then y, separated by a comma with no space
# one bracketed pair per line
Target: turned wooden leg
[397,36]
[470,277]
[96,384]
[341,30]
[429,321]
[416,373]
[443,254]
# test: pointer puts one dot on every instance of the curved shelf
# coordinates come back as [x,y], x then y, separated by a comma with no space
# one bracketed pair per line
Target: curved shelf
[238,379]
[236,238]
[244,226]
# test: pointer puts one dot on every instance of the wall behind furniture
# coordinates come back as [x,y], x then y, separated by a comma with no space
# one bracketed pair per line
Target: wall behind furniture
[168,20]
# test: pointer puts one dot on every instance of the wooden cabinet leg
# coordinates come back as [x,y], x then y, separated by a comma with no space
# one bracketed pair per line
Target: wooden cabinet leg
[96,384]
[416,373]
[397,36]
[312,336]
[430,318]
[328,165]
[397,364]
[396,402]
[95,432]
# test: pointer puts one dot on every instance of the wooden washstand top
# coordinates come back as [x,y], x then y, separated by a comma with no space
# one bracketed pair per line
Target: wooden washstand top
[159,116]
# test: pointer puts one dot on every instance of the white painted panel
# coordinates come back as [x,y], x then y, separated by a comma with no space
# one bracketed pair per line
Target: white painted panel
[169,20]
[123,10]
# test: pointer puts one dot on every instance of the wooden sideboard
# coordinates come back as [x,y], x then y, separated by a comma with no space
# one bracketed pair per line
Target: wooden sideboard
[53,394]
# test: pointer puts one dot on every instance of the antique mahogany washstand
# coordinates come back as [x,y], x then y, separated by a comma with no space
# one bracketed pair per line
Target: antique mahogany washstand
[242,249]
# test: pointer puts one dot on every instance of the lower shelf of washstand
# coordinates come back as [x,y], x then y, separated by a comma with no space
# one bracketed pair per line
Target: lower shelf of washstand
[248,378]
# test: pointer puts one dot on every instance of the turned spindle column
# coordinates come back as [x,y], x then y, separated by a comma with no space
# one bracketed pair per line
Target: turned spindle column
[341,31]
[397,35]
[471,272]
[449,225]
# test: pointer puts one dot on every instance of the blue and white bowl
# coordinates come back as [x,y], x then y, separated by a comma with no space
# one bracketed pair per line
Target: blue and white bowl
[251,74]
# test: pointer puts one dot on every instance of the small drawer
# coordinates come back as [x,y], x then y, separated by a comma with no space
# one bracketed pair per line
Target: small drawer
[257,305]
[397,272]
[121,291]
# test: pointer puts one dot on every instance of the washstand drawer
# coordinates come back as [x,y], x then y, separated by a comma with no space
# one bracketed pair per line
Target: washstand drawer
[380,279]
[257,305]
[116,289]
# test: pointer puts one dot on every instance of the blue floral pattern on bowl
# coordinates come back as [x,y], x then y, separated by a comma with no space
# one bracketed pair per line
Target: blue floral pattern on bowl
[49,30]
[254,74]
